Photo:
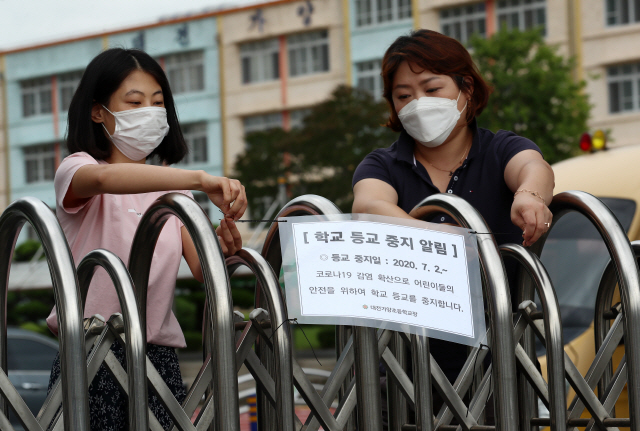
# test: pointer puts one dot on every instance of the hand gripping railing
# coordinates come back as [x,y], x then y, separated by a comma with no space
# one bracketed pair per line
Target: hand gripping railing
[556,398]
[496,288]
[67,299]
[624,261]
[220,309]
[366,351]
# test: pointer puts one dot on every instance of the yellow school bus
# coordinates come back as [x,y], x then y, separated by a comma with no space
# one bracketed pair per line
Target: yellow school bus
[575,254]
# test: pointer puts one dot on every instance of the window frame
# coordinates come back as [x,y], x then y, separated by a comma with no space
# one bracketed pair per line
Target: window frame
[37,89]
[628,88]
[632,13]
[196,137]
[261,126]
[43,156]
[521,10]
[308,53]
[477,18]
[67,85]
[263,58]
[185,71]
[371,74]
[369,12]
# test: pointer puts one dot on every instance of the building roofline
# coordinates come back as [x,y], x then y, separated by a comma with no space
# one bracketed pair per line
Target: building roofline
[161,23]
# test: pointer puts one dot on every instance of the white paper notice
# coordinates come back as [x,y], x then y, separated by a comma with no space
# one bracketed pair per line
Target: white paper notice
[378,273]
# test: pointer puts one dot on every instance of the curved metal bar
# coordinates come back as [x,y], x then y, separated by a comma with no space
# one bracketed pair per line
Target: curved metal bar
[497,291]
[365,340]
[552,327]
[75,400]
[216,283]
[302,205]
[626,266]
[604,297]
[133,329]
[282,335]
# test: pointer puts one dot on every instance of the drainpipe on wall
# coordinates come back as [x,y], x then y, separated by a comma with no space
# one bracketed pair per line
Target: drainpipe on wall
[415,12]
[574,29]
[221,95]
[346,28]
[490,11]
[5,132]
[56,120]
[282,66]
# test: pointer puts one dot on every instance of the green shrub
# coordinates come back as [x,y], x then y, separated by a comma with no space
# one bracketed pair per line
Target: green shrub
[242,298]
[40,328]
[326,337]
[186,313]
[194,340]
[25,251]
[32,311]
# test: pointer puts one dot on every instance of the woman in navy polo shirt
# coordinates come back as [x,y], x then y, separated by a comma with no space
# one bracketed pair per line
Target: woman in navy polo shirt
[435,92]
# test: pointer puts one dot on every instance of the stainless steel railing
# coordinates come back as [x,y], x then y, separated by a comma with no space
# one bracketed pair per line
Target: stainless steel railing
[624,261]
[496,288]
[67,298]
[229,340]
[221,336]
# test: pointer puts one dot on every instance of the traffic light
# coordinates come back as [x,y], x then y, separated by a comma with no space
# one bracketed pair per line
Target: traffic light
[595,142]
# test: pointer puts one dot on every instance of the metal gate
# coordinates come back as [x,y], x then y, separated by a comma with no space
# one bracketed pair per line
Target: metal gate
[510,380]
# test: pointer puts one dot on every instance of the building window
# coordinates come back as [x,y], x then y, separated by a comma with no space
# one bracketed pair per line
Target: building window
[259,61]
[36,96]
[308,53]
[67,84]
[624,88]
[372,12]
[195,135]
[297,116]
[260,123]
[623,11]
[185,71]
[522,15]
[368,77]
[39,163]
[462,22]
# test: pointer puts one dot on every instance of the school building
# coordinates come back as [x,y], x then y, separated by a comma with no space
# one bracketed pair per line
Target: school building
[239,70]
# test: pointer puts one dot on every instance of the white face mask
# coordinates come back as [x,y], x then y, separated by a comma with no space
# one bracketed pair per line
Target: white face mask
[430,120]
[138,131]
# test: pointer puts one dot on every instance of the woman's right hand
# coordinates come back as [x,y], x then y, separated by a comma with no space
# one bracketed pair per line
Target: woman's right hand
[229,236]
[227,194]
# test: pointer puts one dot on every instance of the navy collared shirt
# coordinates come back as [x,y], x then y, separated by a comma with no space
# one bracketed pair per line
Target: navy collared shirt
[479,181]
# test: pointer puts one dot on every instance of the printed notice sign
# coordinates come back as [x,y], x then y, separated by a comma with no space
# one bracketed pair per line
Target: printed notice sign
[383,272]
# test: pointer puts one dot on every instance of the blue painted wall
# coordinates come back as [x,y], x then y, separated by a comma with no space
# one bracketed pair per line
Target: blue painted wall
[370,42]
[200,106]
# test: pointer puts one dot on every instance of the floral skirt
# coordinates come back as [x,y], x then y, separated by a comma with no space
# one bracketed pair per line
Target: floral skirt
[108,403]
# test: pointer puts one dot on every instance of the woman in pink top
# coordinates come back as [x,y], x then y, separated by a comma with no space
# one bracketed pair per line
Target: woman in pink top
[122,113]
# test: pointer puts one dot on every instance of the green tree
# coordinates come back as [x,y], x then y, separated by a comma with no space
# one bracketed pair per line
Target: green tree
[534,92]
[321,156]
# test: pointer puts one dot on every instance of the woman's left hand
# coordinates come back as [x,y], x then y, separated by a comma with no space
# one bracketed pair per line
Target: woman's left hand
[532,216]
[229,236]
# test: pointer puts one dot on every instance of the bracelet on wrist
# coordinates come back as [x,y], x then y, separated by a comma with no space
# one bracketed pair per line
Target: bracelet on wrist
[532,193]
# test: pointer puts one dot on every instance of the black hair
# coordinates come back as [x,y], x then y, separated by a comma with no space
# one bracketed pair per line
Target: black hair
[102,77]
